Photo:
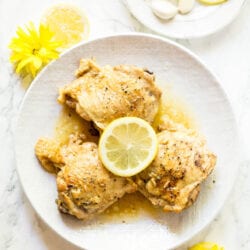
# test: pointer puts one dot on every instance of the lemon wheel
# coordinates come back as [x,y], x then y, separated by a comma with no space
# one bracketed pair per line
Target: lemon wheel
[69,23]
[127,146]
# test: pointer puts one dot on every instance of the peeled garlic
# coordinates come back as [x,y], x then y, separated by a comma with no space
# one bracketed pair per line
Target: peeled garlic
[164,9]
[185,6]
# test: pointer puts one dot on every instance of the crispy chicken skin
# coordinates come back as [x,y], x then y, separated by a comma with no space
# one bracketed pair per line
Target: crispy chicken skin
[85,187]
[182,163]
[102,94]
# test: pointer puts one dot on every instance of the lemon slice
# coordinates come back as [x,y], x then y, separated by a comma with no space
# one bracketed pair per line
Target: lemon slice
[206,246]
[69,23]
[212,2]
[127,146]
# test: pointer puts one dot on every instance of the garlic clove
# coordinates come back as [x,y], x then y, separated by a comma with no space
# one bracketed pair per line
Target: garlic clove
[164,9]
[185,6]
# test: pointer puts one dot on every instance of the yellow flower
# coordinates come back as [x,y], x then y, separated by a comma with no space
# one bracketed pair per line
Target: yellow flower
[33,48]
[206,246]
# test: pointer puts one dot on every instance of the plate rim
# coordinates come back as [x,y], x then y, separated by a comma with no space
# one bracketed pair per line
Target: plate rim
[180,36]
[155,37]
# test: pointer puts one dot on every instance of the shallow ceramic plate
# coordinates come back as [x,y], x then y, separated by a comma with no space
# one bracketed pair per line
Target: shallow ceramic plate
[191,80]
[201,21]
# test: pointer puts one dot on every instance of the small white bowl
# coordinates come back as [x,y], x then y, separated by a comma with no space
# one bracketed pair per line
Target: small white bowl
[201,21]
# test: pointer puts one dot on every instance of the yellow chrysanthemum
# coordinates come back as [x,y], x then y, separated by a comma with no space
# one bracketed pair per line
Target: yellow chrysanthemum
[33,48]
[206,246]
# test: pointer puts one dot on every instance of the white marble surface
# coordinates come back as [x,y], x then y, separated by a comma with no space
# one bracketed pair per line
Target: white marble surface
[226,53]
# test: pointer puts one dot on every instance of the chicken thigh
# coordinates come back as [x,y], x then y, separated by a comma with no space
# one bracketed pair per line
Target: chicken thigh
[49,154]
[182,163]
[85,187]
[104,94]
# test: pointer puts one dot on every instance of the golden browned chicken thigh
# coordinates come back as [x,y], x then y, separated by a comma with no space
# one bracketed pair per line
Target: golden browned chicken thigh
[102,94]
[173,180]
[85,187]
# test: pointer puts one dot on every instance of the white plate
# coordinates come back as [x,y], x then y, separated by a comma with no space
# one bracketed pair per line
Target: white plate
[191,80]
[201,21]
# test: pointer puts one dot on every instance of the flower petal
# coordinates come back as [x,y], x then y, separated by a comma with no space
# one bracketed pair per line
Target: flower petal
[32,48]
[22,64]
[37,62]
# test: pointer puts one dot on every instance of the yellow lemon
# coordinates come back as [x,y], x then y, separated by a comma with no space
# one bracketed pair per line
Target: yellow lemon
[206,246]
[69,23]
[212,2]
[127,146]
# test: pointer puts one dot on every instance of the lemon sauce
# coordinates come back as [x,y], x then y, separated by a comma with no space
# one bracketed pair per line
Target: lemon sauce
[129,208]
[69,122]
[176,109]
